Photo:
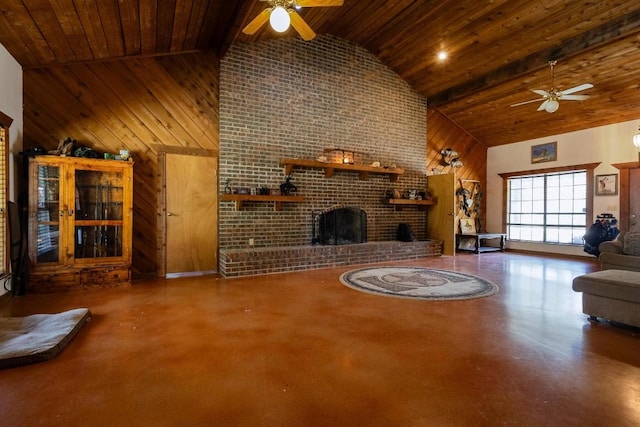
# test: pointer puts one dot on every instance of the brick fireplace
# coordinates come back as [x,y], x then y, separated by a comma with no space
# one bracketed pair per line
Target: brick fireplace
[286,98]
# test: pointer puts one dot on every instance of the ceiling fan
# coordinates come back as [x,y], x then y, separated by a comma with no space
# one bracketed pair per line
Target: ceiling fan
[551,97]
[282,13]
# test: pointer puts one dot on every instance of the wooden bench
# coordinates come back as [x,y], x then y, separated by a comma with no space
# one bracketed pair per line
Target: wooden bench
[477,240]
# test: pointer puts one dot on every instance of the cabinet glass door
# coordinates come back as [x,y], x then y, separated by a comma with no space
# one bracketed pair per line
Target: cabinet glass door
[99,214]
[48,214]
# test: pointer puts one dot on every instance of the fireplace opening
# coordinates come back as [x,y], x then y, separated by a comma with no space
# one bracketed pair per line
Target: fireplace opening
[340,226]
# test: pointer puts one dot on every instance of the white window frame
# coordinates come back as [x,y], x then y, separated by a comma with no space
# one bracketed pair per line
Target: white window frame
[588,168]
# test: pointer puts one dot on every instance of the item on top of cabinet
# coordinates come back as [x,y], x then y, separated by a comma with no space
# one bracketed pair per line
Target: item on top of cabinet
[65,148]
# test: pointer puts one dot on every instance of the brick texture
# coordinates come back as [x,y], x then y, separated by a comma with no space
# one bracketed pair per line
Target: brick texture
[287,98]
[250,262]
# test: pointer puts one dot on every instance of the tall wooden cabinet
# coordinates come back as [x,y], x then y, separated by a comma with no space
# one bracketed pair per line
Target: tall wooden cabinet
[80,223]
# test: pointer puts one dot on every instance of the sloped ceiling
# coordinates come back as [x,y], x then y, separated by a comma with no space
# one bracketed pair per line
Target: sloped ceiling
[498,50]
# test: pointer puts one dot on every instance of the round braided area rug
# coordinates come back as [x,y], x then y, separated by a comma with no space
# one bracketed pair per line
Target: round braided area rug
[419,283]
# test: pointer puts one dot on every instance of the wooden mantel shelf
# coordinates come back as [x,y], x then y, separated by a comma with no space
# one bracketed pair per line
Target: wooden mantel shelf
[240,198]
[329,168]
[400,203]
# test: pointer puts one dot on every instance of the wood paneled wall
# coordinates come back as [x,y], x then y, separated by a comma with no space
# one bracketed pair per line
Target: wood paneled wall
[133,104]
[443,133]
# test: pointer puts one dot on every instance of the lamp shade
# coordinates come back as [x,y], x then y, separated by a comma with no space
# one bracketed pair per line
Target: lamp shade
[279,19]
[552,106]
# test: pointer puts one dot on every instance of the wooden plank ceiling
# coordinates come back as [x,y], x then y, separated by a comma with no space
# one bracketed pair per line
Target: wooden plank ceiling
[498,50]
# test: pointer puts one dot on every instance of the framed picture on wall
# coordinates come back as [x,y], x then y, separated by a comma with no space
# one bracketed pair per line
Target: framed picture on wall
[607,185]
[544,152]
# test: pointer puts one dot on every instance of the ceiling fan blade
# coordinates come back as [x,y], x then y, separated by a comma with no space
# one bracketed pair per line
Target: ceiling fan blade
[257,22]
[318,3]
[540,92]
[526,102]
[300,26]
[574,97]
[543,105]
[577,88]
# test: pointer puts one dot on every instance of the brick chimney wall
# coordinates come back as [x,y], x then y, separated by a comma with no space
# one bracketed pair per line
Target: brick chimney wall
[286,98]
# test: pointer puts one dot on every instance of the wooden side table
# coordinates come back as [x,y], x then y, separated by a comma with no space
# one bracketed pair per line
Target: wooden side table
[478,238]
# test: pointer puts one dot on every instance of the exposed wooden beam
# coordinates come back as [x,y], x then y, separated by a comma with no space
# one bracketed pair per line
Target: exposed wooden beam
[605,33]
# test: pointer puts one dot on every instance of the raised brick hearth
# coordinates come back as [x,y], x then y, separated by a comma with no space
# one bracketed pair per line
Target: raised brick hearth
[250,262]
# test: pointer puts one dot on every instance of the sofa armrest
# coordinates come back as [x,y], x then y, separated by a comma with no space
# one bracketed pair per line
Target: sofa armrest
[611,246]
[614,261]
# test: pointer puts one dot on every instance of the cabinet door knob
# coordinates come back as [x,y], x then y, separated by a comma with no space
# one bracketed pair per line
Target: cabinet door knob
[172,214]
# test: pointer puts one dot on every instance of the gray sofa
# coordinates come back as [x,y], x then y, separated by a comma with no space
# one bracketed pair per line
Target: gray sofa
[614,255]
[614,292]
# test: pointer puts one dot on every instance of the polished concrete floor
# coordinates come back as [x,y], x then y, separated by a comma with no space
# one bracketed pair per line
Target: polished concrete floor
[301,349]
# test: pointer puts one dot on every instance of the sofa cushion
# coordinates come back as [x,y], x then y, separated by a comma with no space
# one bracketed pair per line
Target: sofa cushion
[617,284]
[632,243]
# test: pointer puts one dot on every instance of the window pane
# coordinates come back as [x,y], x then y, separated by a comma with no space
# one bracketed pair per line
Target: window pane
[552,234]
[538,206]
[553,206]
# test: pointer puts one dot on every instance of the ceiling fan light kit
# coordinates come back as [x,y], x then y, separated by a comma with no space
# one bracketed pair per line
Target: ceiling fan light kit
[550,99]
[552,106]
[279,19]
[284,13]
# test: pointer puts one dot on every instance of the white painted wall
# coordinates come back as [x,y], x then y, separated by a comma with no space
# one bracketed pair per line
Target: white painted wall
[605,144]
[11,105]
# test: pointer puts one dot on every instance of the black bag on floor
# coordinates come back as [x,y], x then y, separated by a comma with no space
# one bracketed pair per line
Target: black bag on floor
[404,233]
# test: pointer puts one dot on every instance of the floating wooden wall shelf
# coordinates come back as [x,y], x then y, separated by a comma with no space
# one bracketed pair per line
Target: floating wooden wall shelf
[401,203]
[329,168]
[240,198]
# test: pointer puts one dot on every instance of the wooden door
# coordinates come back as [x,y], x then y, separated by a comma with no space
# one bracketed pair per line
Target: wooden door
[191,214]
[634,199]
[441,216]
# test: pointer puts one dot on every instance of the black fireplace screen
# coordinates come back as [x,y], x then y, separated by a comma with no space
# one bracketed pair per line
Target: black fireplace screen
[341,226]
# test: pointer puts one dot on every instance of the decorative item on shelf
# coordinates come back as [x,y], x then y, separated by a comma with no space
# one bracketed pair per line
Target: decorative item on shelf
[227,187]
[287,188]
[66,147]
[375,164]
[274,192]
[347,158]
[392,194]
[322,159]
[344,156]
[86,152]
[451,158]
[264,191]
[243,190]
[124,155]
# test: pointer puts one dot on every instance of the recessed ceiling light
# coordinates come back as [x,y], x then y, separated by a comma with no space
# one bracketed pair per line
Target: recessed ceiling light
[442,55]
